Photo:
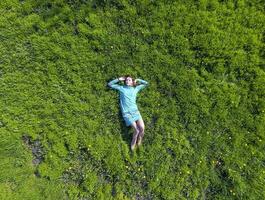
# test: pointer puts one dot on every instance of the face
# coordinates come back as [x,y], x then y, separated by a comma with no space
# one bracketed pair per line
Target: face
[129,81]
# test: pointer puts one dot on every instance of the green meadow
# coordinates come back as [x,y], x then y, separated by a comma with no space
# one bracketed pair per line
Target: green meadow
[62,135]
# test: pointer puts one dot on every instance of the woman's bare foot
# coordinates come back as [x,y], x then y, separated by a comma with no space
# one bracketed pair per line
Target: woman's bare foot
[133,146]
[133,143]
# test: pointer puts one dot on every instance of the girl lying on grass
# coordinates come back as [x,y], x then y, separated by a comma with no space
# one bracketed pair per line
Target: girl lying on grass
[130,112]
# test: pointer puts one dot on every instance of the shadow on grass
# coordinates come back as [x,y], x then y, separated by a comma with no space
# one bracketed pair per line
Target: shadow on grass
[126,132]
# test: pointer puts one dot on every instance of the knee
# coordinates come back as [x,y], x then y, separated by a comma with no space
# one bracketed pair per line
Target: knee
[136,131]
[141,130]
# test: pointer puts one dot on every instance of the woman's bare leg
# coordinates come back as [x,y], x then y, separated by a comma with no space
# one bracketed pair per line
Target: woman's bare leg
[140,127]
[135,135]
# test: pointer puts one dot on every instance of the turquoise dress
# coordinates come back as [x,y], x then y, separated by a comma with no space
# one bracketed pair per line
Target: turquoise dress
[128,95]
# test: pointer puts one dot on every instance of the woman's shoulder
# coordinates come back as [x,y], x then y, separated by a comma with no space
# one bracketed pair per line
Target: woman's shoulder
[126,89]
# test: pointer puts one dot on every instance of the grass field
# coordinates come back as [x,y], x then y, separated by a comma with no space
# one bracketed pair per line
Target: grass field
[62,132]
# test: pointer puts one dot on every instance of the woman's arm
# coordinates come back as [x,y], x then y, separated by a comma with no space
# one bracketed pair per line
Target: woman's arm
[141,81]
[142,85]
[113,84]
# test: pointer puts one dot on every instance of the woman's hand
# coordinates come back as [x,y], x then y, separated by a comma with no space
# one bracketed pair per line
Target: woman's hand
[122,78]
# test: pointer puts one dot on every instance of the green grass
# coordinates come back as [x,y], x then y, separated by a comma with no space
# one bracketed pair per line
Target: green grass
[203,109]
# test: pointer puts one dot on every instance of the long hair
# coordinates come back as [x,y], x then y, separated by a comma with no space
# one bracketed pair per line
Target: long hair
[128,75]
